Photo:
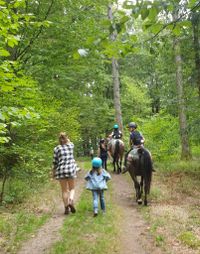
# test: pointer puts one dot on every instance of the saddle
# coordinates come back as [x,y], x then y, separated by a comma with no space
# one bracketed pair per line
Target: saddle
[135,153]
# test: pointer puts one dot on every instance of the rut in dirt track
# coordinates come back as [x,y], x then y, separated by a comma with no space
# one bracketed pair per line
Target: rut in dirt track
[49,233]
[134,236]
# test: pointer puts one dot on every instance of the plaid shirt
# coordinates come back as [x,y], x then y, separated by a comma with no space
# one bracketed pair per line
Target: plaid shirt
[63,161]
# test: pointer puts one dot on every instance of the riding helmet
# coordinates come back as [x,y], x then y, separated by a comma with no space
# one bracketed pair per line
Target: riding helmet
[132,125]
[96,162]
[102,140]
[116,126]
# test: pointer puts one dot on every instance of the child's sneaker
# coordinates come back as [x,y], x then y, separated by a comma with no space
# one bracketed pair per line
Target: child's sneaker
[95,214]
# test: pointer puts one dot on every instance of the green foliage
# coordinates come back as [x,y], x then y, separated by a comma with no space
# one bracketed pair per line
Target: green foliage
[134,99]
[161,135]
[189,239]
[16,191]
[159,240]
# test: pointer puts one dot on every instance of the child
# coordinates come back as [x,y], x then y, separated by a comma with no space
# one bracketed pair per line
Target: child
[91,152]
[96,182]
[102,153]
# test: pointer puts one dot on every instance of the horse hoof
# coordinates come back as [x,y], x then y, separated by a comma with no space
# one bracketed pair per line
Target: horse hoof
[145,203]
[139,201]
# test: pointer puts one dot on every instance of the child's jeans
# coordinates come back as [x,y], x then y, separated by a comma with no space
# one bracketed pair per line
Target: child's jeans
[104,163]
[98,195]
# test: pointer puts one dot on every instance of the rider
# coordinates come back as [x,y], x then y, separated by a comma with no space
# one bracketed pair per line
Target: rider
[136,141]
[116,134]
[136,138]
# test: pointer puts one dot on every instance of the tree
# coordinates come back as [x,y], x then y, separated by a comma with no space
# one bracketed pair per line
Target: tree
[195,17]
[181,102]
[115,74]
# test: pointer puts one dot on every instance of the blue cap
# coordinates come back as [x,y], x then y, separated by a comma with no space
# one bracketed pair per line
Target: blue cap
[116,126]
[96,162]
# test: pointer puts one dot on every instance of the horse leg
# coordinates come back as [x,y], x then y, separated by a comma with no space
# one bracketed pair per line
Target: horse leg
[114,168]
[141,184]
[138,192]
[145,196]
[118,166]
[146,191]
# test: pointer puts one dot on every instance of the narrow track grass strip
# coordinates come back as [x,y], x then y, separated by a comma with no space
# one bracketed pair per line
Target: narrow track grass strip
[82,233]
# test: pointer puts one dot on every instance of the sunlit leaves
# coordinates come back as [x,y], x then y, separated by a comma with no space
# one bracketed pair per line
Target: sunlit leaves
[4,52]
[13,117]
[144,13]
[192,3]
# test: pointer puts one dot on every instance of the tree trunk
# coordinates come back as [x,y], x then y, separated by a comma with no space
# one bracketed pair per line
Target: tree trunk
[116,91]
[195,29]
[185,154]
[5,177]
[115,76]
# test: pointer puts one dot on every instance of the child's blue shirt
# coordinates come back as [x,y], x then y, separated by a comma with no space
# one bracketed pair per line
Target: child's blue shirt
[97,182]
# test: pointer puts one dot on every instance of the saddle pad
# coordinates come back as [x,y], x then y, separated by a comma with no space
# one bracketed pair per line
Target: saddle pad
[133,155]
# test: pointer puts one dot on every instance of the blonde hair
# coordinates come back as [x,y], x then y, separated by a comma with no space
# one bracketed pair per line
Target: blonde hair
[63,138]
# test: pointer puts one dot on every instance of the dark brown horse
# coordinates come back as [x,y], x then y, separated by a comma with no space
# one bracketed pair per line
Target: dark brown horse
[116,151]
[139,163]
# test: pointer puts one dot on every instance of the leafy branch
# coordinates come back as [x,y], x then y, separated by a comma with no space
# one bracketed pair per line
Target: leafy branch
[33,39]
[174,22]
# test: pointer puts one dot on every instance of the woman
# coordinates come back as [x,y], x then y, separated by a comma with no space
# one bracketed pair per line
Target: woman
[64,170]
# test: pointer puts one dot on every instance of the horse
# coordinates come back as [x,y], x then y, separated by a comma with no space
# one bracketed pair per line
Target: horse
[139,163]
[116,151]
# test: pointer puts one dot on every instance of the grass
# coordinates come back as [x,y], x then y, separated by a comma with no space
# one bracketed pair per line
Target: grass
[191,167]
[175,206]
[19,222]
[82,233]
[174,209]
[188,238]
[159,240]
[17,227]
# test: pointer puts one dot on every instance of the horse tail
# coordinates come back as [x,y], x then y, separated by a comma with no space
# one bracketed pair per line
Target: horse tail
[117,147]
[148,167]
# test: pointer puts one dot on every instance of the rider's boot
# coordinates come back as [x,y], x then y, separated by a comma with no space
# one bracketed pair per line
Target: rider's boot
[124,169]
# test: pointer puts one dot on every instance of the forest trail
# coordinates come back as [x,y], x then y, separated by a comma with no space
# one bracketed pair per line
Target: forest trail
[133,233]
[49,233]
[134,236]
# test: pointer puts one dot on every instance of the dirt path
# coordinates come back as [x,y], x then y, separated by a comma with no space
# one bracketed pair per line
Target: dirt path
[49,233]
[134,236]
